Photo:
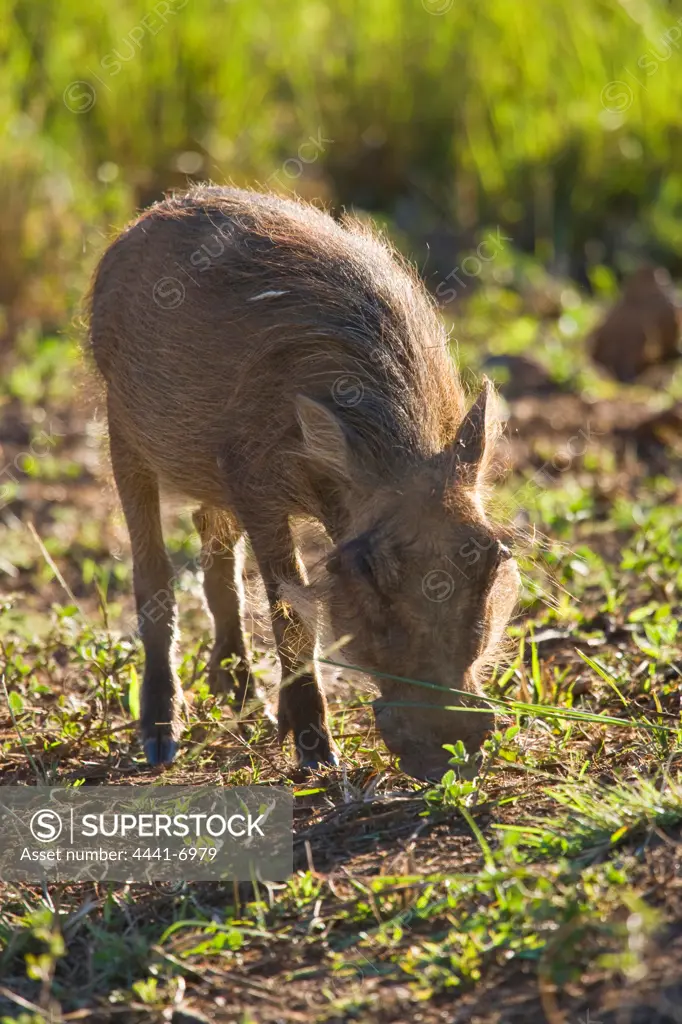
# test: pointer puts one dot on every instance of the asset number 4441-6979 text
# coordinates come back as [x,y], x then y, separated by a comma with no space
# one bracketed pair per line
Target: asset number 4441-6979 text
[186,853]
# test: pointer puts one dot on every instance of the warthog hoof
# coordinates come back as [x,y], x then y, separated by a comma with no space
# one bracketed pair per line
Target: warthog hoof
[311,764]
[314,748]
[160,749]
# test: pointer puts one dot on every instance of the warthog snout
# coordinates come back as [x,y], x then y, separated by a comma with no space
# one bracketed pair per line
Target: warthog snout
[417,733]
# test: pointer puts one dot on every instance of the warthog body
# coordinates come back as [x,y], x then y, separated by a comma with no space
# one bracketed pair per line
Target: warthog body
[268,363]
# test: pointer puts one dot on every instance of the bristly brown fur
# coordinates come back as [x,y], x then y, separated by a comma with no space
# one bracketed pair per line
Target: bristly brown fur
[352,315]
[265,362]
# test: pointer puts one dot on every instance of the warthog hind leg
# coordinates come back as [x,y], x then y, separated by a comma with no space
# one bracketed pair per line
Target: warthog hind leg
[161,696]
[222,563]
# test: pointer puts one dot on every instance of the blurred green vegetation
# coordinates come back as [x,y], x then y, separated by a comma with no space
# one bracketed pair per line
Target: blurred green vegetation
[559,122]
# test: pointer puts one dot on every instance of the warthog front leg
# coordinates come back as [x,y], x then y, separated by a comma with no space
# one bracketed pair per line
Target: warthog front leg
[161,696]
[302,707]
[222,563]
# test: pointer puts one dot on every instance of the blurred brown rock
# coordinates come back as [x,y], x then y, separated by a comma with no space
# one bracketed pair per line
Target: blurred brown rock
[641,330]
[519,376]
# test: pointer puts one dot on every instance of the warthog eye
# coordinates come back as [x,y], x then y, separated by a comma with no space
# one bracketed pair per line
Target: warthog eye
[352,557]
[362,558]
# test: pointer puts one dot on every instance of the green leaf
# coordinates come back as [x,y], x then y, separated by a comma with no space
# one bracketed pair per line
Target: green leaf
[134,693]
[15,702]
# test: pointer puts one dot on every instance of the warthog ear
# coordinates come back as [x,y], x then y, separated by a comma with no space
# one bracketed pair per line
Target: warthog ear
[324,438]
[469,446]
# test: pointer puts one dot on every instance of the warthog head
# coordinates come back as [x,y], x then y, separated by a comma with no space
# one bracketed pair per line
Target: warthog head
[423,585]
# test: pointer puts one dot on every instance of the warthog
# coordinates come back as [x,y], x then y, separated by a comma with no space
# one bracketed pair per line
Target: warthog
[268,363]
